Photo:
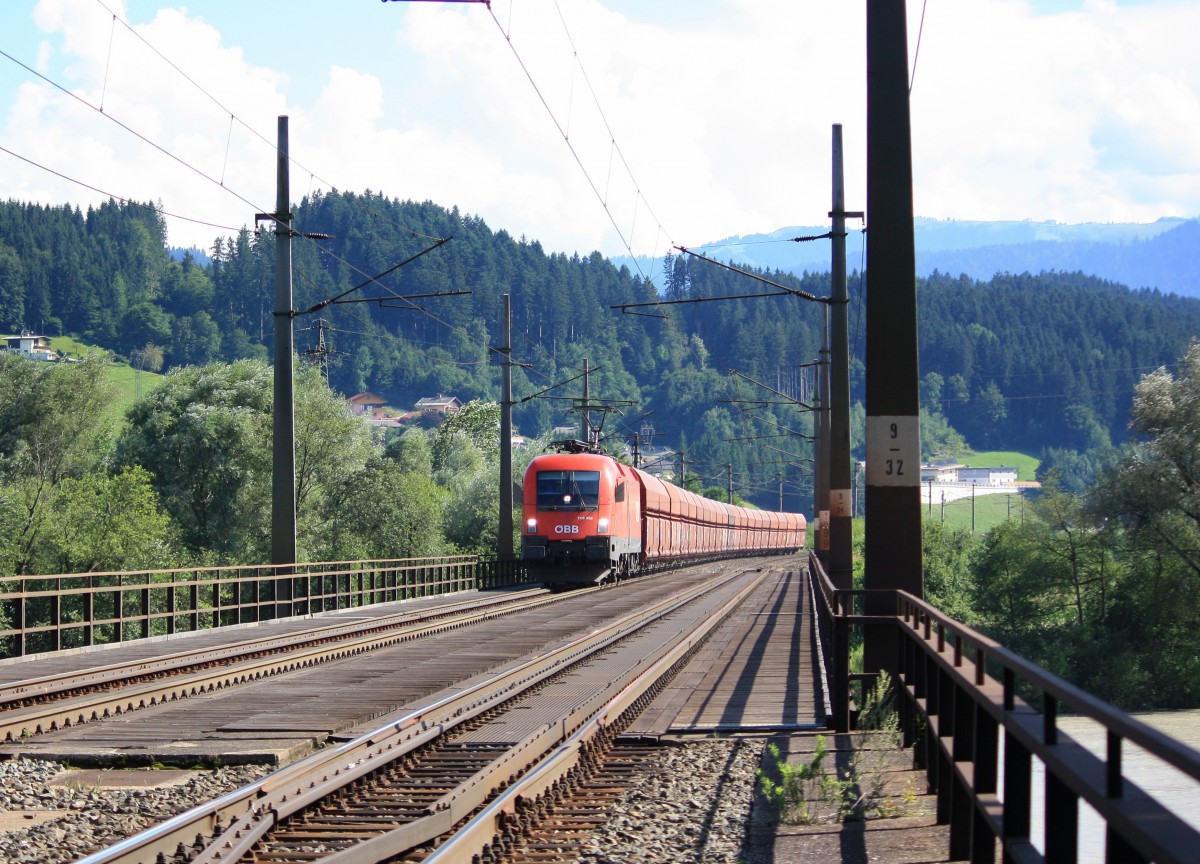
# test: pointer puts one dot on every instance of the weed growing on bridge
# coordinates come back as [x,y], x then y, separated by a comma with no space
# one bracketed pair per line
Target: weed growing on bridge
[800,785]
[853,787]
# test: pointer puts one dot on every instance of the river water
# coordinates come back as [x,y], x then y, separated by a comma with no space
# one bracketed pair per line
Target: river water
[1174,790]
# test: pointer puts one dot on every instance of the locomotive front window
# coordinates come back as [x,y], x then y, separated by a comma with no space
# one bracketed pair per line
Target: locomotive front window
[568,490]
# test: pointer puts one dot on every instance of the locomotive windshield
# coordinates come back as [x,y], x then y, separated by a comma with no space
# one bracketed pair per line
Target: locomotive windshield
[568,490]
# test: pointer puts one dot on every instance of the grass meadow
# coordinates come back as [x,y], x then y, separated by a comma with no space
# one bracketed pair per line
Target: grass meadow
[129,383]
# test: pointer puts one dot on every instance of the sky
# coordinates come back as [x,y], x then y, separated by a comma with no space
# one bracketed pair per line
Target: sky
[626,126]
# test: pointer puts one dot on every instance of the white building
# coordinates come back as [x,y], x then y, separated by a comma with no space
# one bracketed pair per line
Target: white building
[1001,475]
[31,346]
[940,472]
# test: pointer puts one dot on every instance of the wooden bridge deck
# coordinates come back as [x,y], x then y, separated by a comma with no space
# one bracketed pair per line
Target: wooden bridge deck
[755,674]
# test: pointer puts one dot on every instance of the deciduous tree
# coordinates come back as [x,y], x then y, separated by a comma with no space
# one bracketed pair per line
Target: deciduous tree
[106,522]
[52,426]
[1156,489]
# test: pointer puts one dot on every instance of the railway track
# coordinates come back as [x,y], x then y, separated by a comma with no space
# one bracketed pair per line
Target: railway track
[38,705]
[553,826]
[402,788]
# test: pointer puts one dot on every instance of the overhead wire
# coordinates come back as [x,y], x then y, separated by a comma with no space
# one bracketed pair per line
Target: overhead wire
[558,124]
[127,201]
[232,115]
[917,53]
[608,128]
[371,279]
[827,235]
[233,118]
[563,132]
[507,34]
[575,153]
[660,229]
[144,139]
[218,182]
[453,328]
[408,343]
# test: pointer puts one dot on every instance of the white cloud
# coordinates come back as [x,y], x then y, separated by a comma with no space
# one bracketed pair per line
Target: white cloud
[722,117]
[1064,116]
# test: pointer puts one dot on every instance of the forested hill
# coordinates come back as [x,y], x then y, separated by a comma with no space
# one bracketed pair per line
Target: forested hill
[1048,360]
[1028,361]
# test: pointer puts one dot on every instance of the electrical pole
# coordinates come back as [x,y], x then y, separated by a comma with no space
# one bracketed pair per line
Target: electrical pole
[729,482]
[321,354]
[584,413]
[644,434]
[283,464]
[138,356]
[841,509]
[822,450]
[893,501]
[506,404]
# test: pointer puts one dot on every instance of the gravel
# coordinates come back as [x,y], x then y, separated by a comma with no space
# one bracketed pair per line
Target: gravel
[692,807]
[93,817]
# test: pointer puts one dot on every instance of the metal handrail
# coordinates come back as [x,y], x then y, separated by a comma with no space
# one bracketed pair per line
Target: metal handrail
[56,611]
[831,635]
[959,695]
[946,670]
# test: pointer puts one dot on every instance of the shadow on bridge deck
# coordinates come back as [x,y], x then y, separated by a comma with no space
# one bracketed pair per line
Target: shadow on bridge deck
[755,674]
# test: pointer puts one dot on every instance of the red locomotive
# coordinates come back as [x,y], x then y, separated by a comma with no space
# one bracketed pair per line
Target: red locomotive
[588,518]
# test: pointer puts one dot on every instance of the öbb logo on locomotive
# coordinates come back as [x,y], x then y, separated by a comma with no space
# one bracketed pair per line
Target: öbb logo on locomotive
[589,519]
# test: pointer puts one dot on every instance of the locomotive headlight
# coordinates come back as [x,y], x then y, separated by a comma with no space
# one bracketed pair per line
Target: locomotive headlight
[602,528]
[531,526]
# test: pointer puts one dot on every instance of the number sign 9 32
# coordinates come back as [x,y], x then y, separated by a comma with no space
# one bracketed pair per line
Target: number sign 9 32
[893,451]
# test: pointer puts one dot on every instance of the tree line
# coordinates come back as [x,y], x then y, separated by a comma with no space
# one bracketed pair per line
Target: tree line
[185,479]
[1045,363]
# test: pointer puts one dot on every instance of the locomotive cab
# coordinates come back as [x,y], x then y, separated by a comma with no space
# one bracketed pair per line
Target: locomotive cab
[581,518]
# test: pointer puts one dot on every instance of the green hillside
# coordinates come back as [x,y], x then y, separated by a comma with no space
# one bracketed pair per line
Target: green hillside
[984,511]
[129,383]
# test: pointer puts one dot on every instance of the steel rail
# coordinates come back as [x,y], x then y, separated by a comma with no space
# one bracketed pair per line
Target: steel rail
[228,665]
[467,844]
[459,803]
[253,810]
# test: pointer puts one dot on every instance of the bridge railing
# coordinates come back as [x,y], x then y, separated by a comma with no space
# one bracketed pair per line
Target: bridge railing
[962,691]
[977,715]
[50,613]
[832,625]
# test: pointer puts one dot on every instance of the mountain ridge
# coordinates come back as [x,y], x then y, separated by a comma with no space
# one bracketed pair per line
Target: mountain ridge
[1158,254]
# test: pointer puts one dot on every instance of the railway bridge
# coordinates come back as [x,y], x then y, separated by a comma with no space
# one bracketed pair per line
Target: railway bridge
[974,718]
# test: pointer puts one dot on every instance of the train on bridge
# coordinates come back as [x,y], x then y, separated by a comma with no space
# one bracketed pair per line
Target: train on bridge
[588,519]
